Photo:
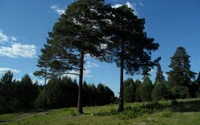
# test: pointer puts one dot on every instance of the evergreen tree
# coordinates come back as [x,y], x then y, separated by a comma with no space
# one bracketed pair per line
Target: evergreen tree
[93,95]
[146,89]
[180,76]
[7,97]
[159,91]
[198,84]
[130,47]
[129,90]
[137,90]
[28,92]
[74,35]
[159,74]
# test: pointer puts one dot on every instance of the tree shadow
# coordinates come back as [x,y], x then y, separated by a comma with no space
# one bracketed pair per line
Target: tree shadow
[189,106]
[150,108]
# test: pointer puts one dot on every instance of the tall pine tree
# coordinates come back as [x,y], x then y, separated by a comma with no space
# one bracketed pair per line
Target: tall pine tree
[129,45]
[180,76]
[76,33]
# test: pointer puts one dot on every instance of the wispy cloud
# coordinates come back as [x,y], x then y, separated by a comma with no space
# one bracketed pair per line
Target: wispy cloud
[18,50]
[58,9]
[4,38]
[4,70]
[91,65]
[141,4]
[86,74]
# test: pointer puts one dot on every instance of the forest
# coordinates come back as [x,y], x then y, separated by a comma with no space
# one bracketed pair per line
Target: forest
[107,34]
[24,95]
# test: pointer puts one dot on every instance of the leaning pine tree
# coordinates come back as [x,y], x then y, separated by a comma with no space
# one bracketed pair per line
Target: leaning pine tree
[129,45]
[76,33]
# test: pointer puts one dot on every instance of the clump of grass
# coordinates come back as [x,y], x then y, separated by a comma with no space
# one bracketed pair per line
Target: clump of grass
[166,113]
[113,111]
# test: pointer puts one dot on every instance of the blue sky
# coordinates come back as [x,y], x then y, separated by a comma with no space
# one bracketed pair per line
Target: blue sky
[24,26]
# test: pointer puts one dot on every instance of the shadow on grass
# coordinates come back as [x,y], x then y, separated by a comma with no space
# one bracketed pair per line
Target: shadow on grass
[108,113]
[188,106]
[133,112]
[150,108]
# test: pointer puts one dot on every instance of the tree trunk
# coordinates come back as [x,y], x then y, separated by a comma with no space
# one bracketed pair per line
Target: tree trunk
[45,81]
[121,94]
[80,108]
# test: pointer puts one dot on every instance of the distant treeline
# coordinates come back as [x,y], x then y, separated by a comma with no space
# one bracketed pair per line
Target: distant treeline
[25,95]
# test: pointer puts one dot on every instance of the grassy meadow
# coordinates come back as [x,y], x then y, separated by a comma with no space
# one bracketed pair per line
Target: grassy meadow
[185,112]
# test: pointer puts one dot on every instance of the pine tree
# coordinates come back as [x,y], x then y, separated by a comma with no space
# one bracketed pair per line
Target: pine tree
[138,84]
[129,45]
[76,33]
[146,89]
[129,90]
[180,76]
[159,74]
[159,91]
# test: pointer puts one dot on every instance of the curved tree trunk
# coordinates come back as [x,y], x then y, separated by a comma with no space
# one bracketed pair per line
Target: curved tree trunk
[80,108]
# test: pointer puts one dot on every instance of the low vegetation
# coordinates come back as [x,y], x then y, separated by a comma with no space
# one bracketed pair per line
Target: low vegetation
[183,112]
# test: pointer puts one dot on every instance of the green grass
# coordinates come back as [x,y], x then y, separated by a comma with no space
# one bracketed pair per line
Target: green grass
[185,112]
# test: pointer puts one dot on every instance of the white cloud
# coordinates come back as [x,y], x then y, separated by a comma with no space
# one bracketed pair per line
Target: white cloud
[86,74]
[152,71]
[130,5]
[117,5]
[4,70]
[91,65]
[165,74]
[4,38]
[18,50]
[57,9]
[95,65]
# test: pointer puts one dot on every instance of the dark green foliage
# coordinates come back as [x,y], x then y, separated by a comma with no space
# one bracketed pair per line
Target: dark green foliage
[137,90]
[17,95]
[159,74]
[28,92]
[146,89]
[197,85]
[104,95]
[180,76]
[129,90]
[159,91]
[62,92]
[179,92]
[7,95]
[93,95]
